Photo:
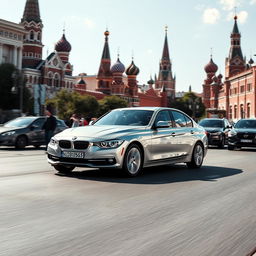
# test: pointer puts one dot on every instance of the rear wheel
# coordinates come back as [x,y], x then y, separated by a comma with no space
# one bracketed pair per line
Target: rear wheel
[197,156]
[64,169]
[133,161]
[21,142]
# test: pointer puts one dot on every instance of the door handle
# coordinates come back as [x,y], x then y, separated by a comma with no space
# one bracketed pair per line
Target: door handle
[173,134]
[192,132]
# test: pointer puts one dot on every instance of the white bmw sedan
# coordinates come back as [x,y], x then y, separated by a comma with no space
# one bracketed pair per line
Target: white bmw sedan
[130,139]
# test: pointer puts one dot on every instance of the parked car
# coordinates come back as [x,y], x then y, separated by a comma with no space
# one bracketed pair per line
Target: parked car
[130,139]
[243,134]
[217,130]
[23,131]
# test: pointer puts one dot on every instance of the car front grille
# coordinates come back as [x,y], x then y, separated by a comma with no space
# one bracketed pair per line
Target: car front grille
[249,136]
[81,144]
[65,144]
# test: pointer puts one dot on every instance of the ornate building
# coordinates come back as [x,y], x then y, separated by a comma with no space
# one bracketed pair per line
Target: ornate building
[235,97]
[44,77]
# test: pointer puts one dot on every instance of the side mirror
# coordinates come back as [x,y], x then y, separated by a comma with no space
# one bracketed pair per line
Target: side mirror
[162,124]
[229,127]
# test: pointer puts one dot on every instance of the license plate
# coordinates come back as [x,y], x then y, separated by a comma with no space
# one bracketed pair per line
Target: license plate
[248,141]
[72,154]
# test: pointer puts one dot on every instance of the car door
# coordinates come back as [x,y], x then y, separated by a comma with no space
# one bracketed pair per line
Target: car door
[184,133]
[36,134]
[162,140]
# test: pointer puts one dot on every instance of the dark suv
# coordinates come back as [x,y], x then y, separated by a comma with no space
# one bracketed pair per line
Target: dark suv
[217,130]
[23,131]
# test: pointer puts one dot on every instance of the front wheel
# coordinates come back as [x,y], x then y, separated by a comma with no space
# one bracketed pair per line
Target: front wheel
[231,147]
[64,169]
[133,161]
[21,142]
[197,156]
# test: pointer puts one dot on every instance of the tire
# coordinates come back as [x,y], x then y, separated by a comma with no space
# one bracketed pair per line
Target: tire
[197,157]
[37,146]
[133,161]
[64,169]
[231,147]
[21,142]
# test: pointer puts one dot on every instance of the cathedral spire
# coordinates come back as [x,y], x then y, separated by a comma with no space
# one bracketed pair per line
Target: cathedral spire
[106,53]
[31,12]
[166,55]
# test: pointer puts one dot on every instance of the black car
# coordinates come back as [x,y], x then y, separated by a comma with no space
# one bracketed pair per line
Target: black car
[217,130]
[24,131]
[243,134]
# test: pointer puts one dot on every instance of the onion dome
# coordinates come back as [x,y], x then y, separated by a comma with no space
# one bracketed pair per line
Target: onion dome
[63,45]
[151,81]
[211,67]
[132,70]
[81,81]
[220,76]
[106,33]
[118,67]
[251,61]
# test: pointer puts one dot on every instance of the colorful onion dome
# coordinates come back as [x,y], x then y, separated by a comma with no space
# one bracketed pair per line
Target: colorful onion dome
[211,67]
[63,45]
[132,70]
[118,67]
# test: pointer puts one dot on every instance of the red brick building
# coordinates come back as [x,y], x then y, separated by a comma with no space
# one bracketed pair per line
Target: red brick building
[235,97]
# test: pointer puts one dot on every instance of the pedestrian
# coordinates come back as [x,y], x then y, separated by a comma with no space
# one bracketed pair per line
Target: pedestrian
[75,121]
[83,122]
[49,126]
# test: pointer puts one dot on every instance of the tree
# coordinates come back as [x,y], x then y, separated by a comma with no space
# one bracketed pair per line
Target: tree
[68,103]
[191,104]
[11,81]
[111,102]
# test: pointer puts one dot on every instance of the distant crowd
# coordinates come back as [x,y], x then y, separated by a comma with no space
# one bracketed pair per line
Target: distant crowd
[76,120]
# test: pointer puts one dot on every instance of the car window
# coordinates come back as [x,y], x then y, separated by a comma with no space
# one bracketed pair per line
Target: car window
[60,123]
[212,123]
[243,123]
[20,122]
[189,121]
[164,116]
[39,122]
[179,119]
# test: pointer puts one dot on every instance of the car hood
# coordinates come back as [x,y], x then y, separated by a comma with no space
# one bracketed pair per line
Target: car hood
[100,132]
[7,129]
[213,129]
[245,130]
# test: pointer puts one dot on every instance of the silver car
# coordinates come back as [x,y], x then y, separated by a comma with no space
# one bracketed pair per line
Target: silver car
[130,139]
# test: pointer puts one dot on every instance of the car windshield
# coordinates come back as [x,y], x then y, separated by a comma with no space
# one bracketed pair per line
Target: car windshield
[246,124]
[20,122]
[126,117]
[212,123]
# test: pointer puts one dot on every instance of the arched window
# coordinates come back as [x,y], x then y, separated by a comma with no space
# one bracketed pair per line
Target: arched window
[242,111]
[31,35]
[56,80]
[235,111]
[50,78]
[39,36]
[248,110]
[230,112]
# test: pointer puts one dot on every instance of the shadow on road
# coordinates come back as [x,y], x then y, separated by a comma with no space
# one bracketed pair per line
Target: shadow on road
[158,175]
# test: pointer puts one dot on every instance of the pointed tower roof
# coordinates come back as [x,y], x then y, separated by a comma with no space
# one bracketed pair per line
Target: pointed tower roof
[31,12]
[235,28]
[106,53]
[166,55]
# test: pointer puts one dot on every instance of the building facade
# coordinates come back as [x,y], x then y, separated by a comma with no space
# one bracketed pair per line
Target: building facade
[235,96]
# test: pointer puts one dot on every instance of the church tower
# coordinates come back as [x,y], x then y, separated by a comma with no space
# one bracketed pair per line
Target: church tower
[104,77]
[235,62]
[165,78]
[32,43]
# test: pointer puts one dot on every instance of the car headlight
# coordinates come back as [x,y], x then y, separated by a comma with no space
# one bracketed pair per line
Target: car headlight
[232,133]
[8,133]
[108,143]
[53,142]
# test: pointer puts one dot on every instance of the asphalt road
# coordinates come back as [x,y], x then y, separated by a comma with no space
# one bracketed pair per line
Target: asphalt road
[168,211]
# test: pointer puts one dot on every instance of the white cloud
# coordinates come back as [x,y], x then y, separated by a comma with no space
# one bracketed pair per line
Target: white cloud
[230,4]
[242,16]
[211,15]
[253,2]
[200,7]
[149,51]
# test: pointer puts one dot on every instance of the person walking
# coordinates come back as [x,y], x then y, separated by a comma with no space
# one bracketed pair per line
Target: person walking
[49,126]
[75,120]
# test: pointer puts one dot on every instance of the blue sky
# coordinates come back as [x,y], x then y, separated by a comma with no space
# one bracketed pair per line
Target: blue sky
[137,26]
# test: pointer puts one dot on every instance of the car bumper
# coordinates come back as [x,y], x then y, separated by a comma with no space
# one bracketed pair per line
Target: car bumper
[7,141]
[94,157]
[214,139]
[236,142]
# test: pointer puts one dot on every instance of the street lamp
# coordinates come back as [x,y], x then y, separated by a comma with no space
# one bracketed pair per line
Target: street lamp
[18,88]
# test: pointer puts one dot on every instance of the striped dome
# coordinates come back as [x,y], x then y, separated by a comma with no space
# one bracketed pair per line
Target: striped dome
[132,70]
[211,67]
[63,45]
[118,67]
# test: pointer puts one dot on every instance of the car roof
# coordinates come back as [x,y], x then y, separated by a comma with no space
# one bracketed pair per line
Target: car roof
[146,108]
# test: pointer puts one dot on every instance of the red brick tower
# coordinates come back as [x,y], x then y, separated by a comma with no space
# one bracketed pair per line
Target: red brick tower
[104,77]
[132,71]
[117,86]
[32,45]
[165,77]
[235,62]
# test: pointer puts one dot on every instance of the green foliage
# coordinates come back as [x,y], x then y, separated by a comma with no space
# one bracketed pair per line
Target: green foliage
[68,103]
[111,102]
[191,104]
[10,79]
